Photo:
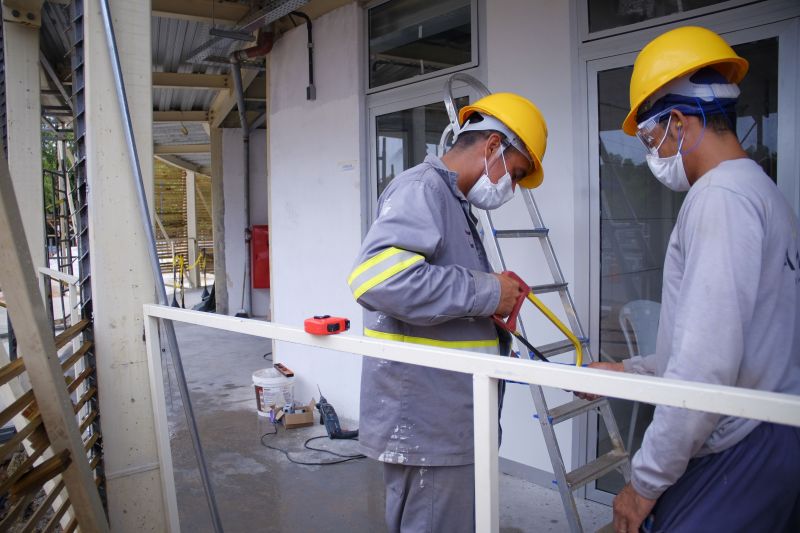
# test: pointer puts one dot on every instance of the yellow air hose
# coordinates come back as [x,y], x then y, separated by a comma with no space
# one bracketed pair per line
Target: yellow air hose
[560,325]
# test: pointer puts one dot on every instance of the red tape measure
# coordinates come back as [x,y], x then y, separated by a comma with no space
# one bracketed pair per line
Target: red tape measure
[326,325]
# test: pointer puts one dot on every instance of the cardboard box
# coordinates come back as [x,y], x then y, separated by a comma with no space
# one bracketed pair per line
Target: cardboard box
[303,416]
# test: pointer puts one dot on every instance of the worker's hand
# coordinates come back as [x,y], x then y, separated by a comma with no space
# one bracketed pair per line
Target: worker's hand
[630,510]
[509,292]
[616,367]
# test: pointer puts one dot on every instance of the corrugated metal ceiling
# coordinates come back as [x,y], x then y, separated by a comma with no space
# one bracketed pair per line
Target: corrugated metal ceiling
[172,41]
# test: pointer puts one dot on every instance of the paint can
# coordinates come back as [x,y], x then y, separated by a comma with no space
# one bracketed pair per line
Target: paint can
[272,389]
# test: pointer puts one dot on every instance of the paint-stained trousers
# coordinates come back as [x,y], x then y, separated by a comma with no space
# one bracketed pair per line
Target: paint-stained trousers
[751,487]
[437,499]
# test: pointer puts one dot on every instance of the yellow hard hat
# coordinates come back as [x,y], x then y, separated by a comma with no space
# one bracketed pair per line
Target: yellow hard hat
[677,53]
[524,119]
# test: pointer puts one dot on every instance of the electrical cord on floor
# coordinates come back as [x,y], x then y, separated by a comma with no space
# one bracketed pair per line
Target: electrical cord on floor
[345,458]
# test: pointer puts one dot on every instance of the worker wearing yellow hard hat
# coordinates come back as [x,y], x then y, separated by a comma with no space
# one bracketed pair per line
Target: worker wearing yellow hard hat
[519,120]
[730,300]
[422,276]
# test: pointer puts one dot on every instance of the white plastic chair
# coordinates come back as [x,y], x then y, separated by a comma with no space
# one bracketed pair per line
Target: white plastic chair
[638,320]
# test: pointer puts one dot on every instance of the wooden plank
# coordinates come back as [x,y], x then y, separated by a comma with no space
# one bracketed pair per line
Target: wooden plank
[16,406]
[23,468]
[178,162]
[56,518]
[43,508]
[74,358]
[15,512]
[35,478]
[63,338]
[72,526]
[176,149]
[85,398]
[18,437]
[11,370]
[80,379]
[186,80]
[35,340]
[91,442]
[88,421]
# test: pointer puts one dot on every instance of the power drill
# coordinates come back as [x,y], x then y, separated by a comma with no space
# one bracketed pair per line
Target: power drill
[327,416]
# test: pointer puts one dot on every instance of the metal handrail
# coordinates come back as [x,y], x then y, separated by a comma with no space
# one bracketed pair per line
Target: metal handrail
[487,370]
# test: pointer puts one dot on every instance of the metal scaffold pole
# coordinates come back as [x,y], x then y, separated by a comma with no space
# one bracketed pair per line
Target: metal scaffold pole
[156,268]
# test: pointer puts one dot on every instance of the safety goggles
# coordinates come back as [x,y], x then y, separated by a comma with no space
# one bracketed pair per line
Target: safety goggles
[652,133]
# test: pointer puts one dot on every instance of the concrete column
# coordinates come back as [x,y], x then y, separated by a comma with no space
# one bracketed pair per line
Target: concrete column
[218,221]
[23,112]
[191,229]
[122,280]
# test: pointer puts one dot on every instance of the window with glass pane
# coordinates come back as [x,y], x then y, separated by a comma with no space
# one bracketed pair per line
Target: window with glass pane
[607,14]
[410,38]
[405,137]
[637,215]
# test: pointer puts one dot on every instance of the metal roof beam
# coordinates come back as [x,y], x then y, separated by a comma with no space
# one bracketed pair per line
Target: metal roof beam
[200,10]
[180,116]
[177,149]
[177,162]
[185,80]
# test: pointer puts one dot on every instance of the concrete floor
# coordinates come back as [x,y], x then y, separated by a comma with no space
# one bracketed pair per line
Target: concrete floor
[258,489]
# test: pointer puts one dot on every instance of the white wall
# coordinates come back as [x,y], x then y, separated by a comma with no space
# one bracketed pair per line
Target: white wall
[528,53]
[235,213]
[315,207]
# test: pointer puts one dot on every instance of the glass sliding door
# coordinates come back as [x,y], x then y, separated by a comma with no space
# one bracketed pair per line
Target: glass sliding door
[405,137]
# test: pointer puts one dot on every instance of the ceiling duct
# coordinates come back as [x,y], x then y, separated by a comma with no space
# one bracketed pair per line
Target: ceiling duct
[218,46]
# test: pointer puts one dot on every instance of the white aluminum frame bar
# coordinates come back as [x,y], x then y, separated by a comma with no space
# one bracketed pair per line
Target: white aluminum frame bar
[487,369]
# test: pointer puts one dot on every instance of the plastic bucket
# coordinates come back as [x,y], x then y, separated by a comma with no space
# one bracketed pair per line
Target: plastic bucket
[272,389]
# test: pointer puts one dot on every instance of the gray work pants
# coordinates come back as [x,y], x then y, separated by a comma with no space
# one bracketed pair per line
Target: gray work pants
[432,499]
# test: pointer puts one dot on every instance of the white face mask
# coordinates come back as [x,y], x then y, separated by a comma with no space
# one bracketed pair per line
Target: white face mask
[669,170]
[487,195]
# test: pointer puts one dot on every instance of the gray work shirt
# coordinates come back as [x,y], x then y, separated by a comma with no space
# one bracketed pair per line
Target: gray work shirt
[422,276]
[730,314]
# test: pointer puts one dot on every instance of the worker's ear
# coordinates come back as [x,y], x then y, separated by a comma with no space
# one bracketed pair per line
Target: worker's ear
[678,124]
[492,145]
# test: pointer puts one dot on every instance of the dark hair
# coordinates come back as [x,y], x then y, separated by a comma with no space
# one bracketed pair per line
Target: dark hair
[721,123]
[469,138]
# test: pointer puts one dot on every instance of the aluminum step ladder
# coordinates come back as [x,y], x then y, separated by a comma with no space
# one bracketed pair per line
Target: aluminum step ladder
[549,417]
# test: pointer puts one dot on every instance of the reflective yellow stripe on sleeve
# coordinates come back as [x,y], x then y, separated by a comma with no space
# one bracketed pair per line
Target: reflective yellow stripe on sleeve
[472,346]
[379,268]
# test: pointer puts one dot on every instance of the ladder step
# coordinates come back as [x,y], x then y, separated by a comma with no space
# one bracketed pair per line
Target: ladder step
[596,469]
[551,287]
[572,409]
[517,233]
[557,348]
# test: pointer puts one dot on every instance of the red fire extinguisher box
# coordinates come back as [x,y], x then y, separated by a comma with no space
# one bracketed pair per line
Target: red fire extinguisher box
[259,243]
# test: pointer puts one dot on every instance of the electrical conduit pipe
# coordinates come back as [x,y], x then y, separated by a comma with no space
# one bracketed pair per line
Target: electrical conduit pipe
[263,47]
